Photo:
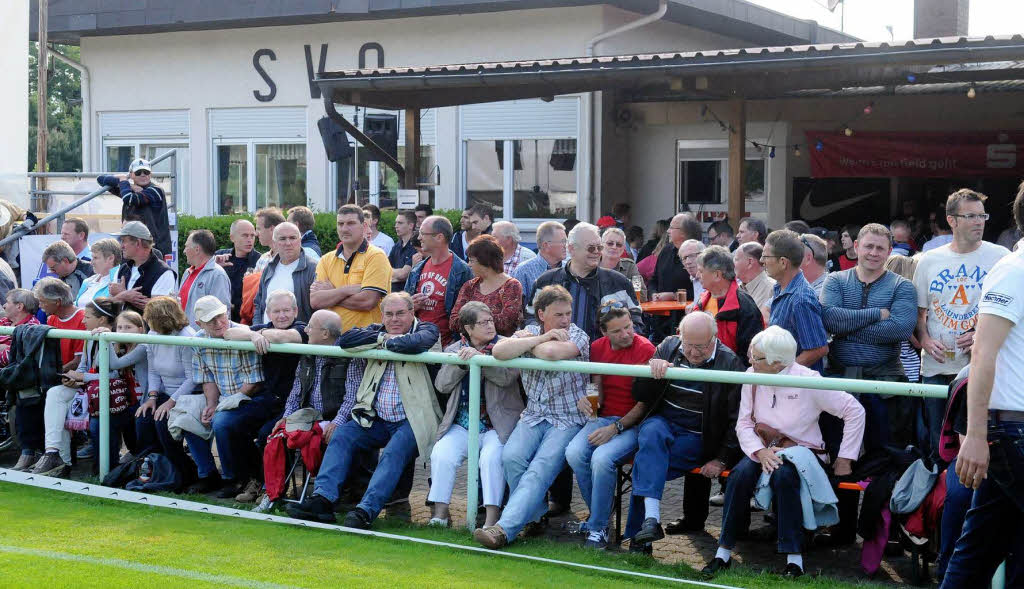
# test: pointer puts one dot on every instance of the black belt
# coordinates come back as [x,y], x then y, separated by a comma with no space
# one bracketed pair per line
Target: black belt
[1001,415]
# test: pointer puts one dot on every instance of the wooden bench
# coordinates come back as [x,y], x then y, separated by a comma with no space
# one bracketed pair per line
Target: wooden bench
[624,484]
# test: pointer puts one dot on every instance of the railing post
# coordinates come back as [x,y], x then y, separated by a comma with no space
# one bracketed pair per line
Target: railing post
[104,369]
[473,450]
[999,579]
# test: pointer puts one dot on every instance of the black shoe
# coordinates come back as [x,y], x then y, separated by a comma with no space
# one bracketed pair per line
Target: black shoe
[638,548]
[315,509]
[205,485]
[714,566]
[682,526]
[230,489]
[792,571]
[649,532]
[357,518]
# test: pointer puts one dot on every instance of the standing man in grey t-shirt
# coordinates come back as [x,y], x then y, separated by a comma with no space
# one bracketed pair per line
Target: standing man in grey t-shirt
[948,281]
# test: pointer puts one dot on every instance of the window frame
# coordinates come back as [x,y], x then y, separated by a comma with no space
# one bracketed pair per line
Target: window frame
[250,143]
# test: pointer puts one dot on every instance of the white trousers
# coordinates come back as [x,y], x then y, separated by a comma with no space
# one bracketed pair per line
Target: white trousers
[58,399]
[447,457]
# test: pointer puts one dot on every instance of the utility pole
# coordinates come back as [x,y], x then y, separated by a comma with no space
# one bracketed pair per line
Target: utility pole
[42,130]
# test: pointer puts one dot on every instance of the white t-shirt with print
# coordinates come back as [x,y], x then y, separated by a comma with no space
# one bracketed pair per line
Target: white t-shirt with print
[1003,296]
[949,286]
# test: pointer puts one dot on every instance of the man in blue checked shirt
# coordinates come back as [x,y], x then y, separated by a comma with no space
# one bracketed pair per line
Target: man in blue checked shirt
[535,452]
[795,308]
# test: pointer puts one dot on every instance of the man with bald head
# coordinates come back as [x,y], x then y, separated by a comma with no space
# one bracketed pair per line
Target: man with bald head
[691,424]
[237,259]
[291,269]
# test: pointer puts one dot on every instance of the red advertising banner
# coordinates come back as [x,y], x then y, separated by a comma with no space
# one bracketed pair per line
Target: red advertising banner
[867,154]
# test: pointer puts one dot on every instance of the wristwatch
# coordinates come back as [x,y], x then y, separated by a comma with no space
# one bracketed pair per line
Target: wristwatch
[618,426]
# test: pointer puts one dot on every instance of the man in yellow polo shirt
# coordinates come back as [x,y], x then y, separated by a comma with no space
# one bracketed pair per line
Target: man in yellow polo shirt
[353,279]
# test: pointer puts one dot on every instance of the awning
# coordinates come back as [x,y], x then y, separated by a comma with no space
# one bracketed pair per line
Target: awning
[751,73]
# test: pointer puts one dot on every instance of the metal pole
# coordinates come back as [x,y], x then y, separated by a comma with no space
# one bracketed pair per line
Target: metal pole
[999,579]
[104,368]
[42,131]
[472,475]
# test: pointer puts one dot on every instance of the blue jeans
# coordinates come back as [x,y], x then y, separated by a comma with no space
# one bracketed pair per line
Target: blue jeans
[119,424]
[666,451]
[533,457]
[958,501]
[994,528]
[785,483]
[235,432]
[932,413]
[595,467]
[399,444]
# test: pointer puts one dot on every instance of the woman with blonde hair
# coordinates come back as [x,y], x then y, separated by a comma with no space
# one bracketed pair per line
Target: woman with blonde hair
[106,259]
[614,240]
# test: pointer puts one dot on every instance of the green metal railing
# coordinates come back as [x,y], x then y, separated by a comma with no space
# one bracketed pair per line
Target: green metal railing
[476,363]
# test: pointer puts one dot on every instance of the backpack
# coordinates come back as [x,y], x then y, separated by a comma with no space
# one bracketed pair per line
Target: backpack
[155,473]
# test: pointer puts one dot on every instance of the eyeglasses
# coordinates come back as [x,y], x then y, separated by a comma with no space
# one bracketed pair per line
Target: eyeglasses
[676,227]
[146,173]
[702,346]
[764,256]
[425,234]
[973,216]
[595,248]
[754,358]
[485,322]
[605,307]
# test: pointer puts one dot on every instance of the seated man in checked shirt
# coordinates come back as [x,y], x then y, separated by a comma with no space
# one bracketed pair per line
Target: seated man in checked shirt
[535,452]
[396,411]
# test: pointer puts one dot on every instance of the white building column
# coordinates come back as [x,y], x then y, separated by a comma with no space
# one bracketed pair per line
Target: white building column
[14,103]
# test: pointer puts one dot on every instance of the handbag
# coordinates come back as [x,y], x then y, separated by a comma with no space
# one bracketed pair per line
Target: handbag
[78,413]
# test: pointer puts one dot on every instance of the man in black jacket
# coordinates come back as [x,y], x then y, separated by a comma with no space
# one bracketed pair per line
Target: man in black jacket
[143,274]
[691,424]
[238,259]
[141,200]
[590,285]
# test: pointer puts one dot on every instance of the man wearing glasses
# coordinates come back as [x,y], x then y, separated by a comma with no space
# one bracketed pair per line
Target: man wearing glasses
[435,282]
[141,200]
[691,424]
[794,306]
[551,247]
[949,280]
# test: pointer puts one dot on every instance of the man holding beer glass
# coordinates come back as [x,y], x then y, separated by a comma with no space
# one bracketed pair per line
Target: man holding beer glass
[691,424]
[609,436]
[948,281]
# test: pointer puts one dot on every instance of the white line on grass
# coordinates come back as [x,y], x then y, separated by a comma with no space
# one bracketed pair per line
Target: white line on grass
[80,488]
[142,568]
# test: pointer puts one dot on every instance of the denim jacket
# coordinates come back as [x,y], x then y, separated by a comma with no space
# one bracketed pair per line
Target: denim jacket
[458,276]
[819,505]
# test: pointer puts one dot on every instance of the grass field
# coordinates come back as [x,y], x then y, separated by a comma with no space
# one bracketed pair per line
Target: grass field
[54,539]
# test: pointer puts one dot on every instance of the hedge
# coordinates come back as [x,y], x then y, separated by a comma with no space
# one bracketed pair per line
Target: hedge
[325,228]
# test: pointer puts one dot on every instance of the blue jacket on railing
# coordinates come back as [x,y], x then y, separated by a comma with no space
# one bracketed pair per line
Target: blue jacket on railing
[458,276]
[420,338]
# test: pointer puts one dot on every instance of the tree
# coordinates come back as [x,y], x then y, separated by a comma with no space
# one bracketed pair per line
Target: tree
[63,111]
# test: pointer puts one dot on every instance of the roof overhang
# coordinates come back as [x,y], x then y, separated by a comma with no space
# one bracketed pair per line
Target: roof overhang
[757,74]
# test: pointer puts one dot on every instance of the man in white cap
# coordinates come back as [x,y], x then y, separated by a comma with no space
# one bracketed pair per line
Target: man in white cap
[141,200]
[143,274]
[236,405]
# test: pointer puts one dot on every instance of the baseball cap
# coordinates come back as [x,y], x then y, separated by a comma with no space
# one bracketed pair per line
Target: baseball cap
[139,164]
[136,229]
[209,307]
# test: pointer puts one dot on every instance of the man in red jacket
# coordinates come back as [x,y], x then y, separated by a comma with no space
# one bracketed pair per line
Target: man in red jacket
[737,315]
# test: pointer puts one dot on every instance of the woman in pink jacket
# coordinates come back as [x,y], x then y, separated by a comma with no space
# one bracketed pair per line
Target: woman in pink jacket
[770,418]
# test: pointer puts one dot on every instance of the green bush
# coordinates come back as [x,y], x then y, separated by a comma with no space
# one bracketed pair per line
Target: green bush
[324,228]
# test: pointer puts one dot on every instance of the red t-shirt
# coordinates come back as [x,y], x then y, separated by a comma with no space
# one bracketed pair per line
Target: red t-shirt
[187,286]
[69,347]
[618,390]
[434,283]
[846,263]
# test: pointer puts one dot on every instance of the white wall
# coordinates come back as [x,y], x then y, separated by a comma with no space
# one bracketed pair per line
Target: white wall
[14,103]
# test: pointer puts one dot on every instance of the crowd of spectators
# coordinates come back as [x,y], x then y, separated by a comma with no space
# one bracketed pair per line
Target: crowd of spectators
[861,303]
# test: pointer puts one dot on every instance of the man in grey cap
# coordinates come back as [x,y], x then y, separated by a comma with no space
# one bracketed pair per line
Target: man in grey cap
[143,274]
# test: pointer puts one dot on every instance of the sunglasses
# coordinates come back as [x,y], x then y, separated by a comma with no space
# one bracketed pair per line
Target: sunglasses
[612,305]
[595,248]
[142,172]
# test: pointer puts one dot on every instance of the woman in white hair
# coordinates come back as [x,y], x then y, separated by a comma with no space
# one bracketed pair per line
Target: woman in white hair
[771,420]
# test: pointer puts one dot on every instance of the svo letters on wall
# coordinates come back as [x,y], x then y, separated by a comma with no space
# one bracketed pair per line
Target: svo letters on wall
[263,74]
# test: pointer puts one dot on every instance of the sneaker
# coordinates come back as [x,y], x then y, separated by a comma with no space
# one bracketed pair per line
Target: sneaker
[492,537]
[316,508]
[438,522]
[26,462]
[263,505]
[357,518]
[51,465]
[596,540]
[649,532]
[717,500]
[86,451]
[714,566]
[205,485]
[250,493]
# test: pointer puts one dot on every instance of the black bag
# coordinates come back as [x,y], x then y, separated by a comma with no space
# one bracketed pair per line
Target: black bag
[122,474]
[155,473]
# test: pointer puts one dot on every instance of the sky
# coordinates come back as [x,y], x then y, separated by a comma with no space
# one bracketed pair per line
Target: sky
[867,19]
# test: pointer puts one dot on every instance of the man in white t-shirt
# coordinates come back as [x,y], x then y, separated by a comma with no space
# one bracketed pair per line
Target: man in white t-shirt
[292,269]
[991,458]
[371,214]
[949,280]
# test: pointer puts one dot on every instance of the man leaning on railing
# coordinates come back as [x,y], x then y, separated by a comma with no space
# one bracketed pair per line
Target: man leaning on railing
[396,410]
[535,452]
